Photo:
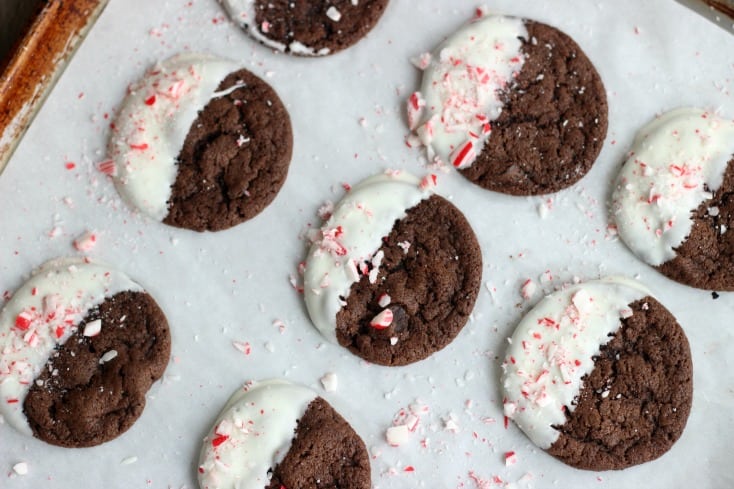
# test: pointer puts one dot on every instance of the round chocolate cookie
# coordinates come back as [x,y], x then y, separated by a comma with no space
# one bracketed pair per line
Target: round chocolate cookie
[395,273]
[432,286]
[200,143]
[673,203]
[293,439]
[93,389]
[307,28]
[82,344]
[600,376]
[235,157]
[514,104]
[635,403]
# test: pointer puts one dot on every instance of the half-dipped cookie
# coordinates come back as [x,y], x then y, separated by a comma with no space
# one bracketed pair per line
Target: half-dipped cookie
[306,27]
[599,375]
[274,434]
[672,203]
[200,143]
[514,104]
[395,272]
[81,346]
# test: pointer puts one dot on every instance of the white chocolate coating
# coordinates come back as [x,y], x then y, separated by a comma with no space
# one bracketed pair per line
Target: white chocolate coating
[553,348]
[352,236]
[153,122]
[676,162]
[243,12]
[43,314]
[252,435]
[462,85]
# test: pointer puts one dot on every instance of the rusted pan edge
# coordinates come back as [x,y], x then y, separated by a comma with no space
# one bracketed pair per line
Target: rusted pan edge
[38,61]
[720,12]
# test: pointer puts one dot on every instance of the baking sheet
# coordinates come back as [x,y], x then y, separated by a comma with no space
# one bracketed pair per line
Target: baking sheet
[347,114]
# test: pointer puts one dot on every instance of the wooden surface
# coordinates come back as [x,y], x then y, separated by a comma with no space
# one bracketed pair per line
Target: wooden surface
[38,60]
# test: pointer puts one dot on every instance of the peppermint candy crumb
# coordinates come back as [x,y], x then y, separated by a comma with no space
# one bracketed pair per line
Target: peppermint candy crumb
[528,289]
[110,355]
[129,460]
[397,435]
[333,14]
[86,242]
[93,328]
[330,382]
[383,320]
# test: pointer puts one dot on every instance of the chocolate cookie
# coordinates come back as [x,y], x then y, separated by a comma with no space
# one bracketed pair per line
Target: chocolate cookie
[514,104]
[600,376]
[306,28]
[673,198]
[293,439]
[82,345]
[200,144]
[396,272]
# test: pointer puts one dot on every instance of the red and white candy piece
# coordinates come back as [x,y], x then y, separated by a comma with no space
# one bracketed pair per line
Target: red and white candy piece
[86,241]
[383,320]
[464,155]
[397,435]
[416,105]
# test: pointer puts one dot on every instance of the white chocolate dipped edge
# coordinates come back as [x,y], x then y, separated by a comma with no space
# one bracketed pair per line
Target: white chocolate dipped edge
[462,83]
[676,162]
[553,348]
[252,435]
[243,12]
[352,236]
[151,127]
[43,314]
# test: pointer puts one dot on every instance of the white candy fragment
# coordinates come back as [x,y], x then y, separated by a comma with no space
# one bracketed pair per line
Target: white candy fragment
[330,382]
[93,328]
[110,355]
[397,435]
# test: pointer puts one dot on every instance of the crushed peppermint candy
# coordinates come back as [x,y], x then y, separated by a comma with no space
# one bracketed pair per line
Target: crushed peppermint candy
[93,328]
[376,262]
[108,167]
[334,14]
[397,435]
[429,181]
[383,320]
[528,289]
[129,460]
[21,468]
[330,382]
[110,355]
[422,61]
[242,346]
[86,242]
